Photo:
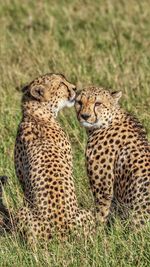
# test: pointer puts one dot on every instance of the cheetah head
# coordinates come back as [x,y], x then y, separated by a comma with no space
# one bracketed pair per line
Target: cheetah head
[50,90]
[96,107]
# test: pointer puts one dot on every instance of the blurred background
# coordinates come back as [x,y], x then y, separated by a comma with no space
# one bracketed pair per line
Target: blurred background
[98,42]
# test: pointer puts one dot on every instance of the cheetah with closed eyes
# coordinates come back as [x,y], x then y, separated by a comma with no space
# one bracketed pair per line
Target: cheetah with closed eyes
[117,155]
[43,161]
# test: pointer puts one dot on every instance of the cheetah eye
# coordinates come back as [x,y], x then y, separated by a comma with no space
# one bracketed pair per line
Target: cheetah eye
[97,104]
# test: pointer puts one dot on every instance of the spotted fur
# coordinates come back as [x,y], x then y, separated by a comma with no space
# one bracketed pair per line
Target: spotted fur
[43,161]
[117,155]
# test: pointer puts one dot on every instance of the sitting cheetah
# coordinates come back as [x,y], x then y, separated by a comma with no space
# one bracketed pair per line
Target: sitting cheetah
[43,161]
[117,155]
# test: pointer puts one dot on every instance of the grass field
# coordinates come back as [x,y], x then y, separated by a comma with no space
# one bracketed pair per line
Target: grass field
[91,42]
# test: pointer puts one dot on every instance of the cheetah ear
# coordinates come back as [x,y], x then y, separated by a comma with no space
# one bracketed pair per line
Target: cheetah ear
[116,96]
[37,92]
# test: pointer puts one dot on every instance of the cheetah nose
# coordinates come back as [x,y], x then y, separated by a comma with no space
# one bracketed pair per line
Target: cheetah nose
[85,116]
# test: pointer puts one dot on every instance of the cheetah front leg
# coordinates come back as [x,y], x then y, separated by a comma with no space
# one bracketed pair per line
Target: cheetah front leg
[103,203]
[102,188]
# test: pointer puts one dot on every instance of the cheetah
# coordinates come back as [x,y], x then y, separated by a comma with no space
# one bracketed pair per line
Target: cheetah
[43,162]
[117,156]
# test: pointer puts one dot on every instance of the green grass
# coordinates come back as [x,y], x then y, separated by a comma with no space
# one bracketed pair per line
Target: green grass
[91,42]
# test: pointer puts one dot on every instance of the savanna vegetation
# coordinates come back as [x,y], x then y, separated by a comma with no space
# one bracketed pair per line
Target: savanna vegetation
[92,42]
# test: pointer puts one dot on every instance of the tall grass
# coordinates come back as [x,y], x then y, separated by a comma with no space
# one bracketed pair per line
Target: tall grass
[91,42]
